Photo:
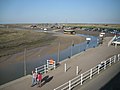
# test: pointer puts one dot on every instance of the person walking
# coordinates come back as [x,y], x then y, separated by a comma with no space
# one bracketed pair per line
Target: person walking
[34,76]
[39,78]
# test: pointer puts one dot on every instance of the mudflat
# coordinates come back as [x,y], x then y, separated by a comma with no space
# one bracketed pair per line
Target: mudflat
[13,42]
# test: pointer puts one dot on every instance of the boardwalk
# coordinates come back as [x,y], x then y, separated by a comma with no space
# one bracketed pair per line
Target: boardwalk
[84,60]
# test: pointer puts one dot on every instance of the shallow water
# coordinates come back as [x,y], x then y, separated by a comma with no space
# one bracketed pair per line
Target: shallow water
[16,70]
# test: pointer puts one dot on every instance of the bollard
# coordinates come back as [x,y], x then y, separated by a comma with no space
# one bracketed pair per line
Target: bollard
[77,70]
[114,58]
[65,67]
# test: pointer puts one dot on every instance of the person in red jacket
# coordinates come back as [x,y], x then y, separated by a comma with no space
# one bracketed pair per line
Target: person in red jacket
[39,78]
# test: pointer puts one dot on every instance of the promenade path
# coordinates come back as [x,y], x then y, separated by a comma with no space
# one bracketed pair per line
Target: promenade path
[85,60]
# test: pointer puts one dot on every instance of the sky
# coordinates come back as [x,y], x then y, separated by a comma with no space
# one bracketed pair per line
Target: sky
[59,11]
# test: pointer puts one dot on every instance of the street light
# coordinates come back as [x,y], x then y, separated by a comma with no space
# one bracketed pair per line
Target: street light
[72,45]
[25,62]
[58,52]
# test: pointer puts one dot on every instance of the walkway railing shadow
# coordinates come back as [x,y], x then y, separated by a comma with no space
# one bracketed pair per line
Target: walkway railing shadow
[46,79]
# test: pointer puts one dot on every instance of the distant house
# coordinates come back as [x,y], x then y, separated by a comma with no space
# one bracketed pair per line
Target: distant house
[69,32]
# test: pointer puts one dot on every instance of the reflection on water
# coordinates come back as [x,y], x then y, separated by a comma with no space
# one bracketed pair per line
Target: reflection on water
[14,71]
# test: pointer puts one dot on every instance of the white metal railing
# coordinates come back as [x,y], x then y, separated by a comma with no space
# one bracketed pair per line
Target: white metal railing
[41,69]
[80,79]
[45,68]
[111,40]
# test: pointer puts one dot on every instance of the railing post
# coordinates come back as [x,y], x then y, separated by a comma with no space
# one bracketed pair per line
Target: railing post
[47,64]
[110,62]
[98,68]
[69,84]
[104,65]
[77,70]
[54,65]
[45,69]
[65,67]
[81,79]
[118,57]
[36,70]
[114,58]
[90,73]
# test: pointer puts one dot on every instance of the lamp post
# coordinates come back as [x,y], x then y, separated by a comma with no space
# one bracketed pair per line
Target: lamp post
[25,62]
[58,52]
[71,47]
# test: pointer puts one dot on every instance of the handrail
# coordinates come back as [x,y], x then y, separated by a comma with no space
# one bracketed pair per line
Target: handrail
[89,74]
[61,86]
[44,68]
[111,40]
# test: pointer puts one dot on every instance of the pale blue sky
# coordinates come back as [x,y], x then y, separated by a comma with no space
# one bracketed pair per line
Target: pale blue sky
[60,11]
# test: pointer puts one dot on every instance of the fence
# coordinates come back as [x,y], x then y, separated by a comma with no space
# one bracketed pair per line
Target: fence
[46,68]
[80,79]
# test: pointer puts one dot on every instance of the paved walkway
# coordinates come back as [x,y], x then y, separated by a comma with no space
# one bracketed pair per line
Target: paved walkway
[54,78]
[102,79]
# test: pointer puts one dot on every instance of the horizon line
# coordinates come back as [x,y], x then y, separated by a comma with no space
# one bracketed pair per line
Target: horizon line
[57,23]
